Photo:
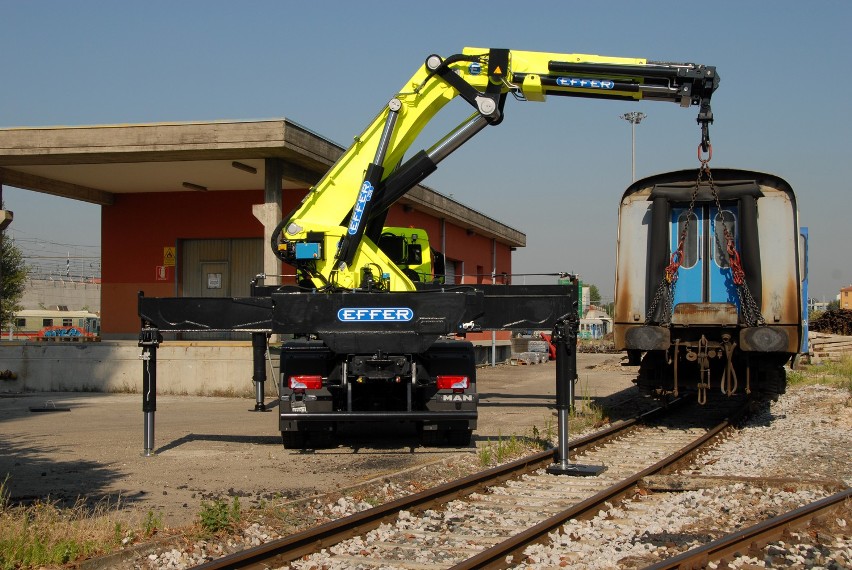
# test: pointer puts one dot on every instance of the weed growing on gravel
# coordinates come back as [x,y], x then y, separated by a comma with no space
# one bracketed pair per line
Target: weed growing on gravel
[831,373]
[152,523]
[500,451]
[43,534]
[485,454]
[543,439]
[219,516]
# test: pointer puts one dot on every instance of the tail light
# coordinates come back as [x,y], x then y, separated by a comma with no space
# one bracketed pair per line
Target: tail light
[305,382]
[455,383]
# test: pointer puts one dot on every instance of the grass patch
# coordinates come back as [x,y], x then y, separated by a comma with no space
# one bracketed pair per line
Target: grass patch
[43,534]
[586,413]
[501,450]
[831,373]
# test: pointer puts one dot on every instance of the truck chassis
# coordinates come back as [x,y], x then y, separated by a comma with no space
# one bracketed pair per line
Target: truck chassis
[354,367]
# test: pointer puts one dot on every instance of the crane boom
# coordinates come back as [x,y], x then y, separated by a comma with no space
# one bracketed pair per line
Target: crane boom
[333,234]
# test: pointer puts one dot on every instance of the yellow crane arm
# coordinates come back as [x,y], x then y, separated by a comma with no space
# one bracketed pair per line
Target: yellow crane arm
[332,236]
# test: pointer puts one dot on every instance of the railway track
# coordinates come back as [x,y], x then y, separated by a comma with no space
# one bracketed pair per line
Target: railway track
[488,518]
[755,537]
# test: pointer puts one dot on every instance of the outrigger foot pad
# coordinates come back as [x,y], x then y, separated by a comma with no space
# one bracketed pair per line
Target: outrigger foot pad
[575,470]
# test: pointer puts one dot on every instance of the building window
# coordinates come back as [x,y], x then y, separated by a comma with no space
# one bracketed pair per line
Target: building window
[47,322]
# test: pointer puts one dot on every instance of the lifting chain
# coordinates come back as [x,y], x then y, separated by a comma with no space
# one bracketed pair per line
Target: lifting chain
[666,290]
[750,311]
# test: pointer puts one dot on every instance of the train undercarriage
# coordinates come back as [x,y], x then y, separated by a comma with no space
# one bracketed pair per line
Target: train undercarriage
[702,361]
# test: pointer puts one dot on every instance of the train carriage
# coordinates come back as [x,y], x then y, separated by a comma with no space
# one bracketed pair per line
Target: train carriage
[708,290]
[53,324]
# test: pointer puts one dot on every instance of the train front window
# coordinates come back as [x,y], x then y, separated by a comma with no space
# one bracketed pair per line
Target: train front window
[690,241]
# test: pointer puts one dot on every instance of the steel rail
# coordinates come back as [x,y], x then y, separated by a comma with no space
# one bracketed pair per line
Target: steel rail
[297,545]
[292,547]
[497,555]
[759,534]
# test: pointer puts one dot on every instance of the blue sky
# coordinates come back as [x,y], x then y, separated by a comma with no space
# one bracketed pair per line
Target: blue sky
[555,170]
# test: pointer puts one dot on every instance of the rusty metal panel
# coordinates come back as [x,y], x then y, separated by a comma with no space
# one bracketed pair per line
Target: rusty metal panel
[716,314]
[781,302]
[631,253]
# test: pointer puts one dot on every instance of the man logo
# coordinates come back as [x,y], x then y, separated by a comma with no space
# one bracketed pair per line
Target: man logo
[456,397]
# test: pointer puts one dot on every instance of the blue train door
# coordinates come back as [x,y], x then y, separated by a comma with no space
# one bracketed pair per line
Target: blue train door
[720,281]
[689,288]
[705,273]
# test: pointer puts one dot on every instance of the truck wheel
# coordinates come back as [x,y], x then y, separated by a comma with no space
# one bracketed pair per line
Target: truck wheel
[293,439]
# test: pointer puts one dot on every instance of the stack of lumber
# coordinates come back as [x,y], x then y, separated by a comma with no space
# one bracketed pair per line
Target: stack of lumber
[824,346]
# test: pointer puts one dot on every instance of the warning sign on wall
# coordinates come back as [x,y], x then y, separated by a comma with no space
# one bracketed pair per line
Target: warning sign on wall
[169,256]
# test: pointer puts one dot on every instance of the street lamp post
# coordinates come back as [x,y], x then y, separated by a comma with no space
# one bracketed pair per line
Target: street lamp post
[634,118]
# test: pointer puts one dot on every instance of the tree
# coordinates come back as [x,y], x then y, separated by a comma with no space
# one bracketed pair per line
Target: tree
[14,273]
[594,295]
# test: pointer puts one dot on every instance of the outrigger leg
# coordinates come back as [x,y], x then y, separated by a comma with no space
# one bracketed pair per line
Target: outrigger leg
[565,339]
[258,347]
[149,339]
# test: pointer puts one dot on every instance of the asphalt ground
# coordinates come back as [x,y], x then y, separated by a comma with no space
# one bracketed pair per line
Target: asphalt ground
[207,448]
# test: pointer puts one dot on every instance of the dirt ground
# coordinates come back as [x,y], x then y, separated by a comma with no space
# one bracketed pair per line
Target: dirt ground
[208,448]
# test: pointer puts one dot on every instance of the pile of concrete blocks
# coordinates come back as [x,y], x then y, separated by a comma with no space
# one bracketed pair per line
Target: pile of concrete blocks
[529,351]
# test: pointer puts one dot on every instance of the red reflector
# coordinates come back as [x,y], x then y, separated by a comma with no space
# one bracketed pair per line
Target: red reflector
[305,382]
[453,382]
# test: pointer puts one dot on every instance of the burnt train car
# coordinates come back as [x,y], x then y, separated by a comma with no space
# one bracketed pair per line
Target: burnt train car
[708,288]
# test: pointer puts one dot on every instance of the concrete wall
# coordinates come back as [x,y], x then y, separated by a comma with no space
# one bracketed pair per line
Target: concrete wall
[47,293]
[183,367]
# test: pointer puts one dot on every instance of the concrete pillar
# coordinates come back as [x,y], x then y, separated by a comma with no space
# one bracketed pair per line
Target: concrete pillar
[269,214]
